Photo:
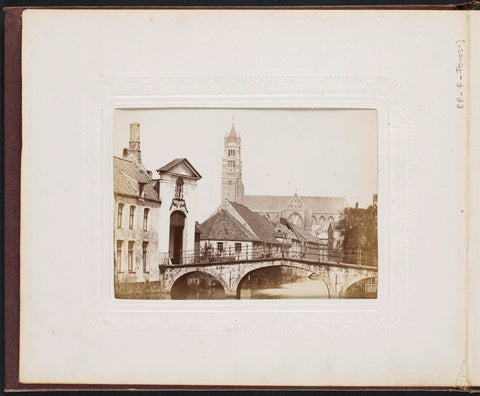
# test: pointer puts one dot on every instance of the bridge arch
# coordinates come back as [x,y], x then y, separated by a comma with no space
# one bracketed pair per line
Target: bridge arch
[347,289]
[353,281]
[237,288]
[208,271]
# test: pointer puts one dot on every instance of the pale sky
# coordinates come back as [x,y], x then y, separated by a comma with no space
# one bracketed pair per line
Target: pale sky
[325,152]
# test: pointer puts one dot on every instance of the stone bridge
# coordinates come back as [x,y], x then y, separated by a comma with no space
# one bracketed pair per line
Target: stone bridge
[338,277]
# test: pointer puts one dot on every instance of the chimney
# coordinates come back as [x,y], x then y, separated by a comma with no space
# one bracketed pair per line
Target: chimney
[133,151]
[356,205]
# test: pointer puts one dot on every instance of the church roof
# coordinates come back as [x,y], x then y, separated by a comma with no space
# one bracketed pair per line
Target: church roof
[127,177]
[280,202]
[223,226]
[180,166]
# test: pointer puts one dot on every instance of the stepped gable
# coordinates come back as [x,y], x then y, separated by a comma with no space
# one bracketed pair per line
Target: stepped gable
[260,226]
[127,177]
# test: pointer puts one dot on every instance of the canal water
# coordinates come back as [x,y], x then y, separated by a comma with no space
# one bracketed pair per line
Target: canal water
[302,288]
[274,287]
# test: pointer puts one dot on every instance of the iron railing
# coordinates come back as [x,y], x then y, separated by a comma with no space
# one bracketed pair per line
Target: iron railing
[323,254]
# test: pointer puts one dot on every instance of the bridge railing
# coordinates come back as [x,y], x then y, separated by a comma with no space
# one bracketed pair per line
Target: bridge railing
[323,254]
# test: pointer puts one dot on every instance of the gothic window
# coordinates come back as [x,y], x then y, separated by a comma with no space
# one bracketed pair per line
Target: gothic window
[131,245]
[321,221]
[120,215]
[231,164]
[144,256]
[131,217]
[314,220]
[231,153]
[146,212]
[296,219]
[330,220]
[179,188]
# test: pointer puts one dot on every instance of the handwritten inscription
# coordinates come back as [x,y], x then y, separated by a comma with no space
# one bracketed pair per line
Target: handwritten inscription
[460,70]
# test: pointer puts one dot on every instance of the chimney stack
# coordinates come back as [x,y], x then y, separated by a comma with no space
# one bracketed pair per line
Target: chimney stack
[133,152]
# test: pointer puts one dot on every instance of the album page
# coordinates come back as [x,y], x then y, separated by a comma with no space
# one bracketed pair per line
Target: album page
[248,197]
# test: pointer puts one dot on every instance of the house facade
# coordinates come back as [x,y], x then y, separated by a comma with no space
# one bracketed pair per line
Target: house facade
[236,232]
[153,217]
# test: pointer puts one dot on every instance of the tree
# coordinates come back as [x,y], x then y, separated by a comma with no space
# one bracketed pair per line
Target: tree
[359,229]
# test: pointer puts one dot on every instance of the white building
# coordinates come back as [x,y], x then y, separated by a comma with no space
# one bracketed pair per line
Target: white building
[154,218]
[178,190]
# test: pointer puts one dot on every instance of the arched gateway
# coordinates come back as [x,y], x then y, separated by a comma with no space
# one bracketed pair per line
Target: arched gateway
[177,225]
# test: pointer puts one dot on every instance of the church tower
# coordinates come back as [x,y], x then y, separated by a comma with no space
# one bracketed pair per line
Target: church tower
[232,186]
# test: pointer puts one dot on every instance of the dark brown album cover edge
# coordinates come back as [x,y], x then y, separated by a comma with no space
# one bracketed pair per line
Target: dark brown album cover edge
[12,171]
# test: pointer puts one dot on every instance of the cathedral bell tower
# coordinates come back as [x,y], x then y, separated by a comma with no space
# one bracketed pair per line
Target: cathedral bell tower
[232,186]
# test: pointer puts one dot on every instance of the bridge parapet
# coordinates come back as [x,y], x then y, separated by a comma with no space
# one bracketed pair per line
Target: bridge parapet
[323,255]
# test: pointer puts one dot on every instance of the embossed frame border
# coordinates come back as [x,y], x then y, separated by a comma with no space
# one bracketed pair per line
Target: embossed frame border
[265,92]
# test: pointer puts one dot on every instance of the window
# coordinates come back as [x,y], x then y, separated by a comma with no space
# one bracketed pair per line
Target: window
[296,219]
[238,247]
[145,219]
[119,256]
[131,245]
[132,217]
[220,246]
[144,256]
[120,215]
[231,153]
[231,164]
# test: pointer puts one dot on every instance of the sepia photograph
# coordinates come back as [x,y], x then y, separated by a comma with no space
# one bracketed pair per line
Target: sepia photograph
[245,204]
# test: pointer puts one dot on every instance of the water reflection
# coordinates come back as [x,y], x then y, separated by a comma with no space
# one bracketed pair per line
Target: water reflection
[197,286]
[302,288]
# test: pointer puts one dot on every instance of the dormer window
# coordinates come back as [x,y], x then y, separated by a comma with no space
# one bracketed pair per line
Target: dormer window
[142,190]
